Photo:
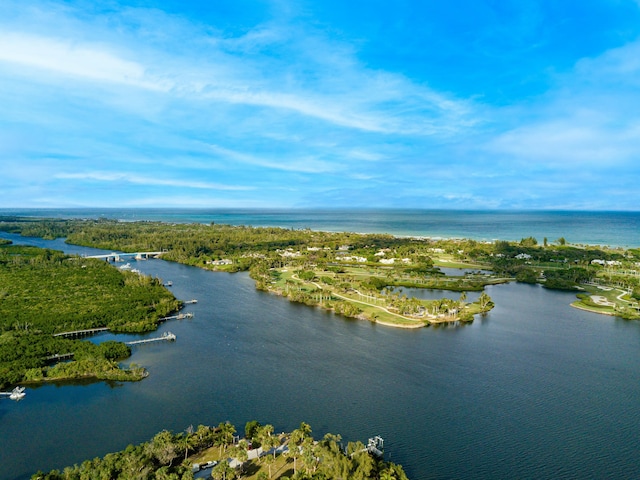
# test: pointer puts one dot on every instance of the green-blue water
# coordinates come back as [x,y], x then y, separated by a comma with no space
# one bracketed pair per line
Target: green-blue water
[536,389]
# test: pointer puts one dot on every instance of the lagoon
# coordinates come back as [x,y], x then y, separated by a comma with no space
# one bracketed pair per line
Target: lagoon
[535,389]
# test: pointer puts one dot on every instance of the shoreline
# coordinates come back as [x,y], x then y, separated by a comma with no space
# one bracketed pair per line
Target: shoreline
[279,217]
[587,309]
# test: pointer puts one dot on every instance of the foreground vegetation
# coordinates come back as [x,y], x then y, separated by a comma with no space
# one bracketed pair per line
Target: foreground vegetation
[295,455]
[44,292]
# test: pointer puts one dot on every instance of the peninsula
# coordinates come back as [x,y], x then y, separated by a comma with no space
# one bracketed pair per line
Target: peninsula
[260,455]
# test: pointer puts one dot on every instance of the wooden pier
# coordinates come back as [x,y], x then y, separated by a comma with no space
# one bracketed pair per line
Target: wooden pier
[375,446]
[16,394]
[81,333]
[59,357]
[180,316]
[166,336]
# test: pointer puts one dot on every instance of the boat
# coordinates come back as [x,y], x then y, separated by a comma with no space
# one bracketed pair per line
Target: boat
[126,266]
[17,393]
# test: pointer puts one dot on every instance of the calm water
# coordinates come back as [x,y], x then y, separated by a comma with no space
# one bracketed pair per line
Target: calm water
[594,228]
[534,390]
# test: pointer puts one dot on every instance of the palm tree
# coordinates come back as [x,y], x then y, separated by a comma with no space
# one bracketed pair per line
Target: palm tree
[484,300]
[239,452]
[223,471]
[296,440]
[462,300]
[187,442]
[224,435]
[267,440]
[269,460]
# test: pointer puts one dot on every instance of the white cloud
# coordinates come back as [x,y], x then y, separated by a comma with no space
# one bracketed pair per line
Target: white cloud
[150,180]
[570,143]
[321,79]
[303,164]
[68,57]
[588,119]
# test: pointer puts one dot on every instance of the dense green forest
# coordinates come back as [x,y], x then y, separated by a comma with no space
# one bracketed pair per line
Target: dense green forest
[169,456]
[43,292]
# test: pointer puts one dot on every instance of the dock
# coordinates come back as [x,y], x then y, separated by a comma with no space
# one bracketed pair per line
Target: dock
[180,316]
[166,336]
[375,446]
[16,394]
[59,357]
[81,333]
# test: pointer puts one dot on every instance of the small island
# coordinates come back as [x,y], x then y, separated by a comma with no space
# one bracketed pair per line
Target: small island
[221,454]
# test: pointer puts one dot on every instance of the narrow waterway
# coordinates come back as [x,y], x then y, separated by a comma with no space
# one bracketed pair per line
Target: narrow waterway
[535,389]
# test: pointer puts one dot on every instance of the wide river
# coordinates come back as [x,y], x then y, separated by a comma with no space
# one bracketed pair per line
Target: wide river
[536,389]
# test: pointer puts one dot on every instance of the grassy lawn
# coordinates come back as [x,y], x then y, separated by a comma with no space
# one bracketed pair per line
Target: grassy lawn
[609,294]
[283,465]
[372,306]
[448,261]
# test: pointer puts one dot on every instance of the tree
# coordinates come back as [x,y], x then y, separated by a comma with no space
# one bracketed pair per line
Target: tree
[529,242]
[462,300]
[270,460]
[204,436]
[485,301]
[186,441]
[163,448]
[239,452]
[251,429]
[268,440]
[296,440]
[223,435]
[223,471]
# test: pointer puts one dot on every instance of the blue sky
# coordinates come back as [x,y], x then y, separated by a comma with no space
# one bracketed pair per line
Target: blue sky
[475,104]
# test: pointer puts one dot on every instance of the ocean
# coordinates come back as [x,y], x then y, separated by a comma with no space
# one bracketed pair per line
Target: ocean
[615,229]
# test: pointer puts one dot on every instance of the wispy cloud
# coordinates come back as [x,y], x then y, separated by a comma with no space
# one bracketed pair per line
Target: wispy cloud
[69,57]
[364,99]
[305,164]
[149,179]
[587,120]
[289,108]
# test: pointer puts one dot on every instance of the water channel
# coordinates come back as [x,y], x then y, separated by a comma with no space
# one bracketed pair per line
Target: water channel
[536,389]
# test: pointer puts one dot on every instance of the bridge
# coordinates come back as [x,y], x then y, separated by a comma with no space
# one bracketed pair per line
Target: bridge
[116,257]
